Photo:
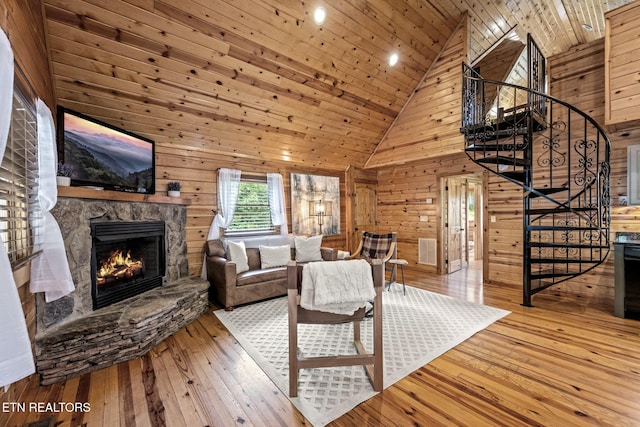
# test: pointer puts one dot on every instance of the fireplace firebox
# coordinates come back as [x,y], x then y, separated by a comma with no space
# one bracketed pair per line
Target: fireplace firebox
[127,259]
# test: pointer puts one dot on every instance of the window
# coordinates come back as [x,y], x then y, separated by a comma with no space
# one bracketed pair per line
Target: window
[18,180]
[252,214]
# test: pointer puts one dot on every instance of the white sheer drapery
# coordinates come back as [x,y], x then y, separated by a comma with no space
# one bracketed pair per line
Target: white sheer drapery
[50,270]
[16,359]
[228,186]
[275,188]
[47,157]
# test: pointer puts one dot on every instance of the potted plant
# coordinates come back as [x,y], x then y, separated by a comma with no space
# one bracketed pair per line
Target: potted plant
[63,177]
[174,189]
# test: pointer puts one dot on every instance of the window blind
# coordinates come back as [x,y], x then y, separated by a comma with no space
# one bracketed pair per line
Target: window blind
[252,211]
[18,181]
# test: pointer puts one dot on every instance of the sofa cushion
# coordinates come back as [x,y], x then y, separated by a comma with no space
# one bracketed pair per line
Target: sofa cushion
[253,277]
[274,256]
[308,248]
[238,255]
[269,240]
[253,257]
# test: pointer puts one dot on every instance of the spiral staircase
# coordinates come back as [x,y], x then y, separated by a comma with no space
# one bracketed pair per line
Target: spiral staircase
[560,158]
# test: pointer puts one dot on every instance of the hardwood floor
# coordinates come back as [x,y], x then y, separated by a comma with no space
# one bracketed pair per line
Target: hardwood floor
[564,362]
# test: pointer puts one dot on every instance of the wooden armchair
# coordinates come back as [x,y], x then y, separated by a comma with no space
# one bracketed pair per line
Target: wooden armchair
[297,315]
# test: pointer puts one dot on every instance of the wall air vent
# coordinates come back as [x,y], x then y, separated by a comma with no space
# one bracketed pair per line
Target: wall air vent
[427,252]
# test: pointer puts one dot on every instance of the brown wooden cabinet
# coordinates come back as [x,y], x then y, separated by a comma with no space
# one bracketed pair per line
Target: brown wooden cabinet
[622,67]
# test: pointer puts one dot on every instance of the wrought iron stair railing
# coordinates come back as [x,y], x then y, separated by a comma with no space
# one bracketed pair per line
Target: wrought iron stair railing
[560,157]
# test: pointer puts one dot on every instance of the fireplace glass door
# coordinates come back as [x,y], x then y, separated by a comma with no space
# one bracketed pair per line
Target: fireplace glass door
[127,258]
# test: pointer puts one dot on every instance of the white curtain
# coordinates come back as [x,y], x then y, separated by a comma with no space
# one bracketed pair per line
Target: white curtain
[275,187]
[16,359]
[50,270]
[228,185]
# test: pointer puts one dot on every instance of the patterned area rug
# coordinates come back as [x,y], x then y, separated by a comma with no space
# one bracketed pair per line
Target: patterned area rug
[417,328]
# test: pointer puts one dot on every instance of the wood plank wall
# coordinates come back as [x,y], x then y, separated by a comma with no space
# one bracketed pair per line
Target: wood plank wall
[498,63]
[198,176]
[402,194]
[432,123]
[621,67]
[403,191]
[355,175]
[577,77]
[22,21]
[429,124]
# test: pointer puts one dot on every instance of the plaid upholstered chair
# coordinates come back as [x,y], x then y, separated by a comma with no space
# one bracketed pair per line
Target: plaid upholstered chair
[378,246]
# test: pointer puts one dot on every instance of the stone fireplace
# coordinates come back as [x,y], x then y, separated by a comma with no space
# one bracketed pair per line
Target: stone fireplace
[127,259]
[124,313]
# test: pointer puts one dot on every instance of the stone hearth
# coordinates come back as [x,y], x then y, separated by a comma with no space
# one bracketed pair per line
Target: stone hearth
[72,338]
[120,332]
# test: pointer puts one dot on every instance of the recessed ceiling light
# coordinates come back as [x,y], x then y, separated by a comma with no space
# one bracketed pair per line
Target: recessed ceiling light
[319,15]
[587,27]
[393,59]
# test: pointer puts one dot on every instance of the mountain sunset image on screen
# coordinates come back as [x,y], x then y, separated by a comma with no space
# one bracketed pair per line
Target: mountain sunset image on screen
[101,155]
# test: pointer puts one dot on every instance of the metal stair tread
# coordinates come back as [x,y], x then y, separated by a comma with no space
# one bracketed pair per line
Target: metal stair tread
[495,147]
[565,245]
[563,261]
[562,209]
[551,275]
[515,175]
[503,160]
[547,191]
[493,135]
[559,228]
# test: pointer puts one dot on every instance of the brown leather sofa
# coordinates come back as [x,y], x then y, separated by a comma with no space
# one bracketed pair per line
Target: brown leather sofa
[230,289]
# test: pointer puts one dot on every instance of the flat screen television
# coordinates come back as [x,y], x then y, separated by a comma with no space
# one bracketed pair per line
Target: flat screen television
[102,156]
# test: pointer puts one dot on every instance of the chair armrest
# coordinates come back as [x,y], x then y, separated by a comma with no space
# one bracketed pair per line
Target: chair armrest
[357,252]
[390,253]
[221,273]
[292,276]
[329,254]
[377,270]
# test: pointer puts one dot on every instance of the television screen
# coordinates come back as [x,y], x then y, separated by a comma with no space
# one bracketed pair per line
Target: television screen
[102,156]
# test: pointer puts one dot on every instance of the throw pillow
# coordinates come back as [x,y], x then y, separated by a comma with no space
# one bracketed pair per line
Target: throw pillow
[274,256]
[308,248]
[238,254]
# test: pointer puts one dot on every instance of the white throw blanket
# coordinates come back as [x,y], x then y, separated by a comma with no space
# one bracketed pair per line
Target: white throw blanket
[339,287]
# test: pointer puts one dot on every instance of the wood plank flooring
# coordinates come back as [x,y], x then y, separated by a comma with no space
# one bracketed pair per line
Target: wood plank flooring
[564,362]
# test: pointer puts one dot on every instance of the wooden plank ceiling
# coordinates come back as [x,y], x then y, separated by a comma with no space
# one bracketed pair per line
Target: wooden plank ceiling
[258,79]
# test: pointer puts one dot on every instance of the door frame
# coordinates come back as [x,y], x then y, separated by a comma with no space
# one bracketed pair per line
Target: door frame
[481,180]
[445,184]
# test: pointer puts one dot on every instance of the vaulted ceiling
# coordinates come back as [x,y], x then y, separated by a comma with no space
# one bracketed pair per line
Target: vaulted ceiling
[258,79]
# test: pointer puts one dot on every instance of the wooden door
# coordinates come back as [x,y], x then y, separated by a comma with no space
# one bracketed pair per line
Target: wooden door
[364,211]
[455,195]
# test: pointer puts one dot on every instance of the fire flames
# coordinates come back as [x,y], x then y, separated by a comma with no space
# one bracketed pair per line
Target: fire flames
[118,267]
